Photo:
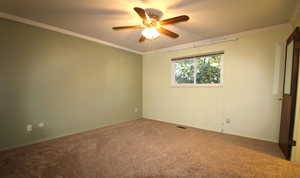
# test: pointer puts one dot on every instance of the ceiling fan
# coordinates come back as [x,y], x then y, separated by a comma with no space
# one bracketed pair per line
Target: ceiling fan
[152,25]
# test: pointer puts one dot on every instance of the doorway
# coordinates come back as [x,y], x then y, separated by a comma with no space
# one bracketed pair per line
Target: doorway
[290,82]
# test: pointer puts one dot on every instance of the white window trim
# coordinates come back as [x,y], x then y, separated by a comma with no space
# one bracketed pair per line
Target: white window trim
[194,85]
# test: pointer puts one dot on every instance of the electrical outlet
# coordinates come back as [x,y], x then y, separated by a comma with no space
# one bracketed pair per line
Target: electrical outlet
[228,121]
[222,127]
[29,128]
[136,109]
[41,124]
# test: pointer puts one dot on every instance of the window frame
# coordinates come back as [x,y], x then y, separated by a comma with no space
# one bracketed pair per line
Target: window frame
[174,84]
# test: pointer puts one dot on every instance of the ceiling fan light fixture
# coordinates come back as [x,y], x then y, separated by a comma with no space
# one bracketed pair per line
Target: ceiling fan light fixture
[150,33]
[152,24]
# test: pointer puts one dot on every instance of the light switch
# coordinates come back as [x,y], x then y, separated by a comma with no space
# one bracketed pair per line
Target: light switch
[29,128]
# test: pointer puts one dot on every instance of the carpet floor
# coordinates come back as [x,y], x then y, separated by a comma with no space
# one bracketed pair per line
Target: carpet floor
[148,149]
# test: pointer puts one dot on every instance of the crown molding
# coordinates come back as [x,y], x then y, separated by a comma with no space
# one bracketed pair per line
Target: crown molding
[60,30]
[221,39]
[194,44]
[211,41]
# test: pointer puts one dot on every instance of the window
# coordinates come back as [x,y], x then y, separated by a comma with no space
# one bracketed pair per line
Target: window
[202,70]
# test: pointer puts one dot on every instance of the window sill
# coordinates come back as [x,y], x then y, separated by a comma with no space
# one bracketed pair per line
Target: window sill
[197,86]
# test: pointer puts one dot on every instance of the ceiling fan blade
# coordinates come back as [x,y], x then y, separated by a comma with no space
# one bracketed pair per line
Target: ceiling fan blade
[142,39]
[173,20]
[168,32]
[127,27]
[141,12]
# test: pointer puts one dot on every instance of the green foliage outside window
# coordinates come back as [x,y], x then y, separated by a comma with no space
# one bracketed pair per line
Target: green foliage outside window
[207,70]
[185,71]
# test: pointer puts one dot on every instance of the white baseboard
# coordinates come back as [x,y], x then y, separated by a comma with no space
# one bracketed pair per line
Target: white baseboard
[228,133]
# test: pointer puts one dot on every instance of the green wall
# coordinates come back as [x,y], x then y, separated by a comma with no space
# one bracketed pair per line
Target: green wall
[70,84]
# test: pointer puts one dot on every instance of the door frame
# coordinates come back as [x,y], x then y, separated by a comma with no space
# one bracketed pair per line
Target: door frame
[295,38]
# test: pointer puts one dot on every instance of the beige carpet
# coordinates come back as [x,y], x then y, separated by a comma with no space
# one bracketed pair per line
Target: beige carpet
[148,149]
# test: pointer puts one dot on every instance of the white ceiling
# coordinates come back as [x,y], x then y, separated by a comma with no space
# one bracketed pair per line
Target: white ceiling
[208,18]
